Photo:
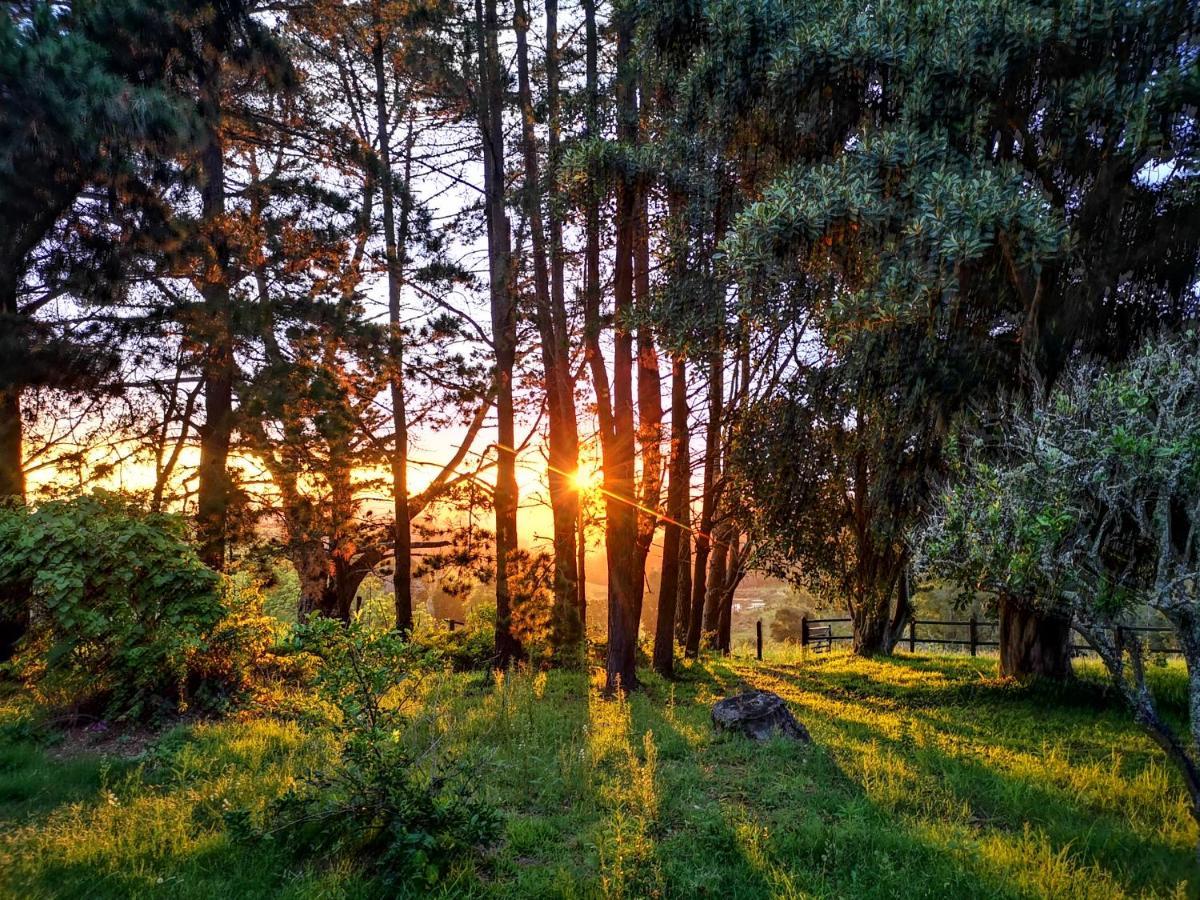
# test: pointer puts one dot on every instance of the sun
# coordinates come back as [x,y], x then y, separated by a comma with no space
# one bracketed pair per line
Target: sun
[585,479]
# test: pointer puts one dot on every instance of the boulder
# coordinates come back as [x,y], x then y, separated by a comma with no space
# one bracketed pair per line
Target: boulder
[758,715]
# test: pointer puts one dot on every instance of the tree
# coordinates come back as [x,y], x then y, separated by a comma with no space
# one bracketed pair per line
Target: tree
[551,318]
[1087,503]
[982,207]
[84,104]
[501,292]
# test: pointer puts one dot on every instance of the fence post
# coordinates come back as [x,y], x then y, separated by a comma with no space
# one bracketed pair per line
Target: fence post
[974,637]
[450,622]
[758,648]
[912,635]
[804,631]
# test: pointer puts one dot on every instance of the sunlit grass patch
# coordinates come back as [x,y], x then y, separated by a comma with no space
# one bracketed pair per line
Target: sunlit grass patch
[928,777]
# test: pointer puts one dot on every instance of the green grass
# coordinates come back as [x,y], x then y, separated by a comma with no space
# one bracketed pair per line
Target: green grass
[929,777]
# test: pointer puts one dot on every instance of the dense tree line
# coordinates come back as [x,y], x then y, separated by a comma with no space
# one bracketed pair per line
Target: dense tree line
[782,252]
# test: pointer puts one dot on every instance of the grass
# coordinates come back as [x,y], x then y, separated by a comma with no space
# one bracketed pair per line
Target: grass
[929,777]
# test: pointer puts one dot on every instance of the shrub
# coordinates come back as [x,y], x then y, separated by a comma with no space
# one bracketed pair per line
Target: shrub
[391,799]
[124,618]
[470,648]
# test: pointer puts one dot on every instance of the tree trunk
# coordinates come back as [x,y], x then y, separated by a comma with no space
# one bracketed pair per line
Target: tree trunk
[734,573]
[718,566]
[395,249]
[312,571]
[504,320]
[1033,643]
[568,536]
[649,399]
[712,458]
[591,274]
[618,442]
[12,468]
[217,364]
[877,622]
[673,534]
[14,604]
[563,439]
[683,604]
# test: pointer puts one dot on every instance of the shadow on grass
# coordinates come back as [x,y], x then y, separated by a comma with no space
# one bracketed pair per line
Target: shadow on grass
[908,764]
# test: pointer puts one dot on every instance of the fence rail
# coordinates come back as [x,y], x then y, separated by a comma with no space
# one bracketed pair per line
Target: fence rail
[819,634]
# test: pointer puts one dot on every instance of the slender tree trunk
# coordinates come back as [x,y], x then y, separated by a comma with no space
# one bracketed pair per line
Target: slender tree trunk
[591,276]
[712,458]
[649,398]
[217,363]
[673,533]
[715,586]
[395,248]
[733,577]
[12,466]
[14,605]
[683,602]
[504,320]
[563,441]
[1033,643]
[621,519]
[566,533]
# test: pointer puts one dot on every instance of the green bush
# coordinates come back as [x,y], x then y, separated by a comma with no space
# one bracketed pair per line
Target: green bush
[124,618]
[391,799]
[469,648]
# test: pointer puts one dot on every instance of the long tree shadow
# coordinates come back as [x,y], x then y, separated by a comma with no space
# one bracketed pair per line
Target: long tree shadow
[934,765]
[740,819]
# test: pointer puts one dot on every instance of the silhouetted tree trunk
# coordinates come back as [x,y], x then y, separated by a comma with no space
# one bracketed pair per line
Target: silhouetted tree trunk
[649,399]
[12,467]
[715,585]
[712,460]
[669,601]
[217,362]
[503,314]
[563,437]
[395,249]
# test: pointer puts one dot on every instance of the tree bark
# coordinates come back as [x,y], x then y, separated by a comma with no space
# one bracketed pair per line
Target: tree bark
[1033,643]
[217,363]
[563,438]
[712,459]
[618,433]
[673,532]
[649,400]
[12,468]
[395,249]
[12,463]
[504,320]
[718,565]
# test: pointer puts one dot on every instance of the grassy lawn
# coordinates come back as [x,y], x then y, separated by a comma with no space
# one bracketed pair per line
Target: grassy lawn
[929,777]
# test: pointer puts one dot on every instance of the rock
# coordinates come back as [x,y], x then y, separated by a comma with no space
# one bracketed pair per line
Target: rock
[758,715]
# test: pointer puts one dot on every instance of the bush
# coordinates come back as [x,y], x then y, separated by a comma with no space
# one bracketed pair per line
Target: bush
[391,799]
[124,618]
[470,648]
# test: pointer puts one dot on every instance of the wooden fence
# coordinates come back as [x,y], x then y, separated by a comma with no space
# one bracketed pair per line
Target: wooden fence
[820,635]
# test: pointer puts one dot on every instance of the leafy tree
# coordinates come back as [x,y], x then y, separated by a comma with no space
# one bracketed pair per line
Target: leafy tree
[1087,503]
[1012,180]
[121,605]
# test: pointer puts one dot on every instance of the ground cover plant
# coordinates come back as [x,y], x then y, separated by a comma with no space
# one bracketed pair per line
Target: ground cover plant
[929,777]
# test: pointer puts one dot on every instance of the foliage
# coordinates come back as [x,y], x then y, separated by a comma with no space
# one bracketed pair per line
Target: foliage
[122,609]
[392,799]
[1090,501]
[470,648]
